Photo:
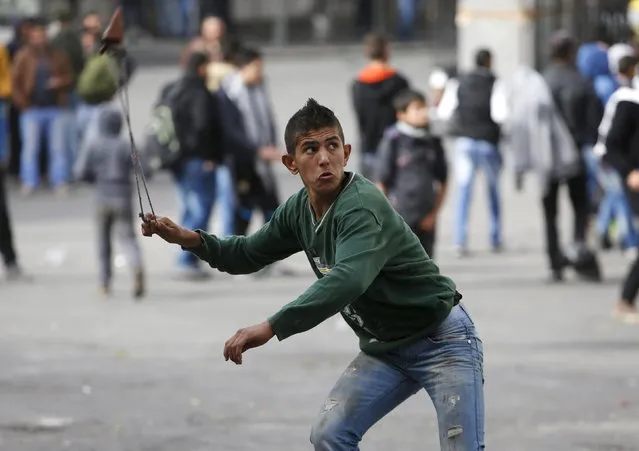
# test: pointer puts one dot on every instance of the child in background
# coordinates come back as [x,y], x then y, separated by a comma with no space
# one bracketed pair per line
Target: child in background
[105,160]
[412,169]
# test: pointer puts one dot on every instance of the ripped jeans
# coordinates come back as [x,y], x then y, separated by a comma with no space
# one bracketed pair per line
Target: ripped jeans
[448,365]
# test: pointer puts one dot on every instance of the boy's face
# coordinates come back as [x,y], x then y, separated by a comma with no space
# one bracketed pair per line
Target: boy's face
[320,157]
[416,114]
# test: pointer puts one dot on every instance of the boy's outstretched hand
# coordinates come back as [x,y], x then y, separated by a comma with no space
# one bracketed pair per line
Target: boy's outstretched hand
[244,339]
[169,231]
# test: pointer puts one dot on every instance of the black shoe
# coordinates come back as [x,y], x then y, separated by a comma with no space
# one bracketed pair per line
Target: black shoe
[605,243]
[556,276]
[138,285]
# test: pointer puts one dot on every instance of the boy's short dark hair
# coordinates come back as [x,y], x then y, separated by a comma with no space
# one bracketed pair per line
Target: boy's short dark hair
[483,57]
[230,48]
[627,63]
[246,55]
[376,46]
[312,116]
[402,101]
[37,22]
[562,46]
[197,60]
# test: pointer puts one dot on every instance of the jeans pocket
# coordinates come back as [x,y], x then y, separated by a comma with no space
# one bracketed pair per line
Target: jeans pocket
[456,327]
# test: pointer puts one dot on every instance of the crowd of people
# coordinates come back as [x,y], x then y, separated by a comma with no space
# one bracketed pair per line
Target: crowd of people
[221,120]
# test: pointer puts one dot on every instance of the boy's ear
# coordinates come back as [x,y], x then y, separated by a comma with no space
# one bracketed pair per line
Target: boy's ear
[289,161]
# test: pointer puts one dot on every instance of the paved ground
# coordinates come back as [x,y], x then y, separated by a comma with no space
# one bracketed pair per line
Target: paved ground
[80,373]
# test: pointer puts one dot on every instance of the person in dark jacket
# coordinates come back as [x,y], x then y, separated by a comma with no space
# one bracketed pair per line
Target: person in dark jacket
[19,39]
[252,137]
[622,153]
[68,40]
[106,160]
[412,169]
[476,105]
[581,110]
[373,92]
[199,132]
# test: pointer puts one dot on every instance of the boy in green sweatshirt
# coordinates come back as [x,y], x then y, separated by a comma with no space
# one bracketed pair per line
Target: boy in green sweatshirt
[413,331]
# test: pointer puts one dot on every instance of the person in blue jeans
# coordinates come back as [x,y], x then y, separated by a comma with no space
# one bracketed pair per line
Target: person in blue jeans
[41,78]
[476,104]
[615,205]
[199,131]
[414,333]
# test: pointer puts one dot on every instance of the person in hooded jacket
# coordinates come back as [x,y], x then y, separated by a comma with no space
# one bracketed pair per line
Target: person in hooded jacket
[105,160]
[202,150]
[373,92]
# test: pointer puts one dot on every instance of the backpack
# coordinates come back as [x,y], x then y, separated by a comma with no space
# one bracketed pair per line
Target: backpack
[162,131]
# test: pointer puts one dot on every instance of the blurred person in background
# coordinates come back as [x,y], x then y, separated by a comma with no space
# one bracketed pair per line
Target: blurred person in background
[212,32]
[97,84]
[615,208]
[217,71]
[442,77]
[41,78]
[135,15]
[19,39]
[580,108]
[372,94]
[624,46]
[593,63]
[412,169]
[199,129]
[622,153]
[67,40]
[218,8]
[176,17]
[7,249]
[407,14]
[251,135]
[106,161]
[476,104]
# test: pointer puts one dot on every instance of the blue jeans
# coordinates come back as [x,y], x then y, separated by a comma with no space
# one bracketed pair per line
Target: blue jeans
[615,205]
[407,13]
[196,188]
[176,17]
[592,169]
[50,122]
[471,155]
[225,199]
[448,365]
[87,120]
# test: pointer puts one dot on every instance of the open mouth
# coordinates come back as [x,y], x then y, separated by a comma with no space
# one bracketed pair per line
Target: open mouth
[326,175]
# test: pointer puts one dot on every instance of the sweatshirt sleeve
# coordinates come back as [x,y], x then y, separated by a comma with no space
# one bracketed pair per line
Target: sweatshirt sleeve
[360,256]
[275,241]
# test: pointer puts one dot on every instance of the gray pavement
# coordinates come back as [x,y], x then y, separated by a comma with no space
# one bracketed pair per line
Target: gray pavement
[81,373]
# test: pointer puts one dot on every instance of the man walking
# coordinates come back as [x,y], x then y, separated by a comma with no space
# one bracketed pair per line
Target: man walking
[199,132]
[476,104]
[579,107]
[413,332]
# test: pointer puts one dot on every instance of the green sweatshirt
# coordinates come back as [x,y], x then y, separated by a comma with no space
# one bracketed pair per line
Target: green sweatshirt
[370,267]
